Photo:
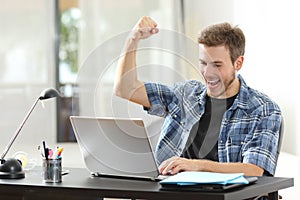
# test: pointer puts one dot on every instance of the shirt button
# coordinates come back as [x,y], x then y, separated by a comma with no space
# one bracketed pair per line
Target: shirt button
[242,142]
[175,116]
[221,141]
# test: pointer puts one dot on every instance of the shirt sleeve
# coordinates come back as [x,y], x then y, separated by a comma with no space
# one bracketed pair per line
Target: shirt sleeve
[262,149]
[160,96]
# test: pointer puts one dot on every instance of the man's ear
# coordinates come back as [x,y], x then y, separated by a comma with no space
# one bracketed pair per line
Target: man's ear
[239,63]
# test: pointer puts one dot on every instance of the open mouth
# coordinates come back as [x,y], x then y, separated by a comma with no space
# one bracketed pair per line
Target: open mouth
[213,83]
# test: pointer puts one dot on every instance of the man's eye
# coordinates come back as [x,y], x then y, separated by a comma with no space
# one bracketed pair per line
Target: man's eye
[203,63]
[216,65]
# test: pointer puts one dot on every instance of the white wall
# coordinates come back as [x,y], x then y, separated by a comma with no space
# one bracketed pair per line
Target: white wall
[272,32]
[272,49]
[272,41]
[26,68]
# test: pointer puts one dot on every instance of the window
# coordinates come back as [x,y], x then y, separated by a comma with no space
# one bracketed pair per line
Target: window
[92,35]
[68,20]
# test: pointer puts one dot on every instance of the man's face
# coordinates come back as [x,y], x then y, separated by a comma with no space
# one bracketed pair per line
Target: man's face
[218,71]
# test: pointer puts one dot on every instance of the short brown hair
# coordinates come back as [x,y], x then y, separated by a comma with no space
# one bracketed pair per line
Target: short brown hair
[224,34]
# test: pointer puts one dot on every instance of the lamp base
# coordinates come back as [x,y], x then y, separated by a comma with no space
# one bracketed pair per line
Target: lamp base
[11,169]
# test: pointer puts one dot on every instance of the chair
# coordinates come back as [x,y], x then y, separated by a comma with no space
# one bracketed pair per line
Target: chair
[281,132]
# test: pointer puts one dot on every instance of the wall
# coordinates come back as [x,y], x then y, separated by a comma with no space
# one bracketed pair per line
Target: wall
[272,46]
[26,68]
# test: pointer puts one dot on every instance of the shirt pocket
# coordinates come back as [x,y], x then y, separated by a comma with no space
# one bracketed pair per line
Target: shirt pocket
[235,145]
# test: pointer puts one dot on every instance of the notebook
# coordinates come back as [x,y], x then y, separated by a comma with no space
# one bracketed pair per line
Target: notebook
[209,187]
[117,147]
[206,181]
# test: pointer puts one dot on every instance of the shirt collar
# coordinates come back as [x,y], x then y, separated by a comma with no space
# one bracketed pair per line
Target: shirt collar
[242,98]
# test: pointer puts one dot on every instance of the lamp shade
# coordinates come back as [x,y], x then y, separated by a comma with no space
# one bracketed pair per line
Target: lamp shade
[49,93]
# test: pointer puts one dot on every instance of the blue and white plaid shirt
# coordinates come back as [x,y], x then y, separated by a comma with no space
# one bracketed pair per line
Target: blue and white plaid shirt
[249,130]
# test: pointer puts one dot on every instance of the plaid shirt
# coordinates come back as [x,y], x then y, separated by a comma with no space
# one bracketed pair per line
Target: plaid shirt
[249,130]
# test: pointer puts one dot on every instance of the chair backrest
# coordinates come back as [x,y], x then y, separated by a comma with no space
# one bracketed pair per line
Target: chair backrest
[281,132]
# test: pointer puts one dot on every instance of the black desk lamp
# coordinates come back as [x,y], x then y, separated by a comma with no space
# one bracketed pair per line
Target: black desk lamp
[12,168]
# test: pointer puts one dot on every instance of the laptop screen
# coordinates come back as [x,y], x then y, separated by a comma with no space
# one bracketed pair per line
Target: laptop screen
[115,146]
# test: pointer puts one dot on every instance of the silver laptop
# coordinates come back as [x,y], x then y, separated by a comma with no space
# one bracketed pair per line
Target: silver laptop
[115,147]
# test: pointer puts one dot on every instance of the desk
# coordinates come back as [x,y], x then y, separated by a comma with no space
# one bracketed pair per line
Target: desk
[79,184]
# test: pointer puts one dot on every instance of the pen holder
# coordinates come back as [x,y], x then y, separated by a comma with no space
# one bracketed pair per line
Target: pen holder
[52,170]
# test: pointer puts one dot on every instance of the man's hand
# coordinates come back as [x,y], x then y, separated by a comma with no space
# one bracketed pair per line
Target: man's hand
[144,28]
[177,164]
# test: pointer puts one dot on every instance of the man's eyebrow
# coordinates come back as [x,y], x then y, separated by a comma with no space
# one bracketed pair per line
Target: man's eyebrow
[215,62]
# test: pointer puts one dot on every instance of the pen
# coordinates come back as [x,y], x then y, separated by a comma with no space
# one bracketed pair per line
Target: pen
[50,153]
[59,151]
[46,150]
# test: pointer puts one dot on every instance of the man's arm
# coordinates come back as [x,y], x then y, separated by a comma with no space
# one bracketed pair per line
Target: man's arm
[177,164]
[126,83]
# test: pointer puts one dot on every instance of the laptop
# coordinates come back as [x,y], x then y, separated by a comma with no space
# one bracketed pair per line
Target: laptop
[117,147]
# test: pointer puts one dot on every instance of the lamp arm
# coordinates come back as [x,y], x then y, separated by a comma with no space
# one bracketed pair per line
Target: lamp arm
[18,130]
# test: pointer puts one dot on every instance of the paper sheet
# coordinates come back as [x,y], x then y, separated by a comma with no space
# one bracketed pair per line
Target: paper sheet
[192,178]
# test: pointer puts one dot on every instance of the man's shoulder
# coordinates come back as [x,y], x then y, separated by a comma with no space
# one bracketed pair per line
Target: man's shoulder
[258,100]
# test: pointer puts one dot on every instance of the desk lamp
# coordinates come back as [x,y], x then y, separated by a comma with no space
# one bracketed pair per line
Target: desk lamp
[12,168]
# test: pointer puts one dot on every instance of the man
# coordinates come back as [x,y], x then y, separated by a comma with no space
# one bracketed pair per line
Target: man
[220,126]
